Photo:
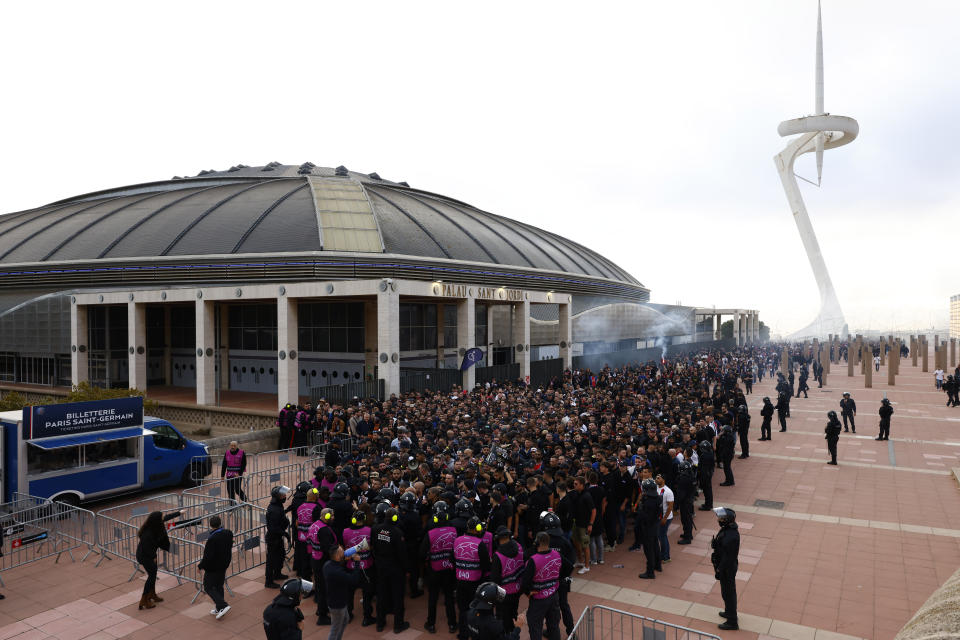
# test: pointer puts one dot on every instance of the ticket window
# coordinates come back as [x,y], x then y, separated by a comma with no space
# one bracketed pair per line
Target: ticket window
[41,461]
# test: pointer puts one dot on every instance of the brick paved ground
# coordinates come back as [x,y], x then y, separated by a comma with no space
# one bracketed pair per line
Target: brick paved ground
[855,550]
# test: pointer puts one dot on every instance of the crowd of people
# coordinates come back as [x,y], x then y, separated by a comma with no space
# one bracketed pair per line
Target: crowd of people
[483,496]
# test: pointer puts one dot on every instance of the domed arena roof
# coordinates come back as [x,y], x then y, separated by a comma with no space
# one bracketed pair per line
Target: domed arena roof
[280,208]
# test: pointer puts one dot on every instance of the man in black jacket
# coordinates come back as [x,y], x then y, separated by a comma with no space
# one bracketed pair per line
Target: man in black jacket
[217,552]
[832,432]
[277,525]
[726,550]
[885,412]
[848,410]
[725,448]
[282,619]
[390,558]
[767,414]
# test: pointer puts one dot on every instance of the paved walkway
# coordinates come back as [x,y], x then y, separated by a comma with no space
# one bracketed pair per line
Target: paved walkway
[853,552]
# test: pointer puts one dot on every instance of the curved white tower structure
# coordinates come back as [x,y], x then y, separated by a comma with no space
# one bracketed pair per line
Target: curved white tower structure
[814,133]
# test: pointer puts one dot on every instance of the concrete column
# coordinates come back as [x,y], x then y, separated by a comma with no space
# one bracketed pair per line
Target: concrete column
[851,357]
[914,347]
[167,349]
[785,361]
[719,333]
[925,354]
[370,339]
[867,359]
[883,352]
[79,349]
[521,337]
[823,355]
[388,339]
[953,353]
[466,336]
[566,334]
[441,354]
[490,339]
[203,343]
[288,335]
[892,369]
[736,327]
[827,357]
[224,347]
[136,346]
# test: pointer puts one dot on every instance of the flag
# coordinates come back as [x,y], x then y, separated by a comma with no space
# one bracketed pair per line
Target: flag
[471,357]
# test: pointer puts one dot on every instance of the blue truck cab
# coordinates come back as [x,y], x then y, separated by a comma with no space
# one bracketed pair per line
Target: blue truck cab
[82,451]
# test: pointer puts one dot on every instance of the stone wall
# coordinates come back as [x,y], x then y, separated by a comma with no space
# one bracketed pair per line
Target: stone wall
[939,617]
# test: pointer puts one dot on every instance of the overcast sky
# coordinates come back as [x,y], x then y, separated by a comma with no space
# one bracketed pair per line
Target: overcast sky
[645,131]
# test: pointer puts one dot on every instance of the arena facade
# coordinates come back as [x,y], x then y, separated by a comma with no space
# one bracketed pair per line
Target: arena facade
[284,278]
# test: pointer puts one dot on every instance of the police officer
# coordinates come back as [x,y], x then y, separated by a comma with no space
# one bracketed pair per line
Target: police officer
[541,581]
[282,619]
[705,469]
[783,410]
[885,412]
[482,624]
[277,525]
[685,488]
[767,414]
[549,522]
[471,561]
[342,506]
[952,387]
[462,512]
[802,387]
[832,435]
[412,526]
[848,409]
[362,562]
[726,549]
[725,447]
[390,558]
[648,518]
[506,565]
[743,429]
[437,551]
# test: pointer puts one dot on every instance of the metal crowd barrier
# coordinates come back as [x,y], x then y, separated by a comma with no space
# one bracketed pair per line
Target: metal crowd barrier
[257,485]
[603,623]
[37,528]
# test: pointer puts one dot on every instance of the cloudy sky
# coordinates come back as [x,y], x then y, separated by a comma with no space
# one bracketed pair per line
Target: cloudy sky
[645,131]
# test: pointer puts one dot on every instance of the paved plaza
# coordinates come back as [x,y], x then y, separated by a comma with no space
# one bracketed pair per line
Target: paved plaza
[839,552]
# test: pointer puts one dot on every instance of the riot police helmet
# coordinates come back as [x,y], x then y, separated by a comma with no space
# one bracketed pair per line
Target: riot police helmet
[408,502]
[304,487]
[387,495]
[549,520]
[704,447]
[742,408]
[725,516]
[380,512]
[295,588]
[649,487]
[487,595]
[885,401]
[280,493]
[463,508]
[832,415]
[441,512]
[340,490]
[766,399]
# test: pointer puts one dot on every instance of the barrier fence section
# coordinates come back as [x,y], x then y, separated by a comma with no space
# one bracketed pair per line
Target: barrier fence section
[37,528]
[603,623]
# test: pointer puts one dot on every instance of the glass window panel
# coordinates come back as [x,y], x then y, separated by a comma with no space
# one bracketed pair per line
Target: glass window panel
[450,337]
[264,339]
[405,315]
[236,337]
[266,315]
[429,337]
[355,314]
[249,339]
[305,314]
[321,314]
[248,316]
[338,314]
[416,338]
[355,340]
[430,315]
[305,339]
[321,339]
[450,315]
[338,340]
[404,338]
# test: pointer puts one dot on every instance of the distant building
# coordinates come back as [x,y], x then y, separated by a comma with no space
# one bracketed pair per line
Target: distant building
[955,316]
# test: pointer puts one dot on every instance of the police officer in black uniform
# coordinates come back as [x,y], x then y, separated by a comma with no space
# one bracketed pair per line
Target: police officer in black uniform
[767,414]
[277,525]
[342,506]
[743,429]
[481,623]
[705,469]
[282,619]
[848,409]
[685,488]
[412,525]
[648,515]
[390,558]
[783,410]
[832,435]
[802,387]
[462,512]
[885,412]
[725,448]
[549,523]
[726,550]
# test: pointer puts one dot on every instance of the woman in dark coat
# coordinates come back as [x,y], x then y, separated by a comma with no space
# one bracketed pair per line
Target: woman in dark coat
[153,536]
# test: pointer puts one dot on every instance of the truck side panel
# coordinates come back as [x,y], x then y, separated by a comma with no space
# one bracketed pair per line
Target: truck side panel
[11,471]
[89,482]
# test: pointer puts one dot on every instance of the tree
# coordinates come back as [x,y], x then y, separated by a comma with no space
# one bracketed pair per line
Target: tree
[764,332]
[726,329]
[82,392]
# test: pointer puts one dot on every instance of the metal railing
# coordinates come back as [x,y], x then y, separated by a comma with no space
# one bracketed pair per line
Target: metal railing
[342,394]
[37,528]
[543,371]
[501,373]
[603,623]
[429,379]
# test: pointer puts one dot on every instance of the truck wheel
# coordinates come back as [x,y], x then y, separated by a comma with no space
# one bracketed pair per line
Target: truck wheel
[186,480]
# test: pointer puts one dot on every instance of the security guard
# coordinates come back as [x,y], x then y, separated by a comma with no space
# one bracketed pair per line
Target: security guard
[282,619]
[885,412]
[550,523]
[848,409]
[832,435]
[783,410]
[725,449]
[362,562]
[648,518]
[541,581]
[471,561]
[685,488]
[390,558]
[743,429]
[277,525]
[482,624]
[505,571]
[767,414]
[436,551]
[726,550]
[705,473]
